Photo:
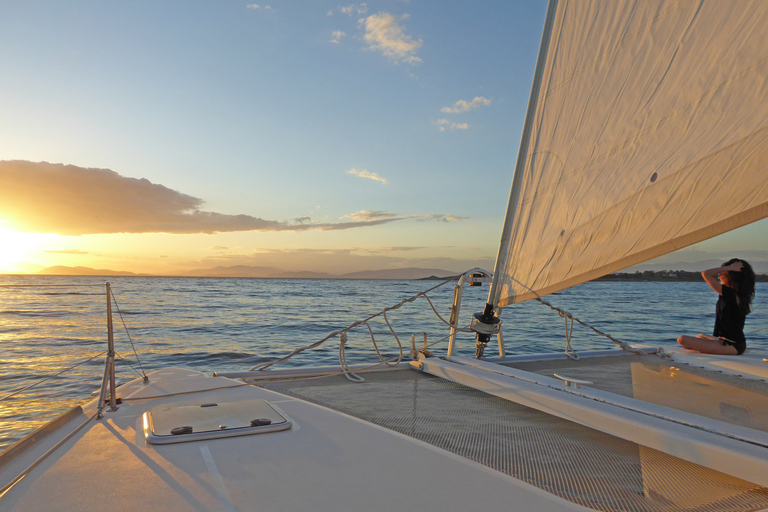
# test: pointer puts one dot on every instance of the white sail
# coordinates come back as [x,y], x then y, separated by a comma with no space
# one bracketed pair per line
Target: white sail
[646,132]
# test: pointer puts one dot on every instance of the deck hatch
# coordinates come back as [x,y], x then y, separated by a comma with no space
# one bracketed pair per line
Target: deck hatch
[178,424]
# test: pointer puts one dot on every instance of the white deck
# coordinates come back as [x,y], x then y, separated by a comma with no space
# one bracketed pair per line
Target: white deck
[327,462]
[750,365]
[731,449]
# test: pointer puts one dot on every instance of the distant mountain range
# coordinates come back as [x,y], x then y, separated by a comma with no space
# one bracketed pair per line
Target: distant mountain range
[61,270]
[245,271]
[263,272]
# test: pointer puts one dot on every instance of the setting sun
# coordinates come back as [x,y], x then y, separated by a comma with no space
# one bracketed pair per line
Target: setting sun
[16,249]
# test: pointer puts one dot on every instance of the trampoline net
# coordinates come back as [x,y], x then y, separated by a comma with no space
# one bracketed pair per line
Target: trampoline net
[585,466]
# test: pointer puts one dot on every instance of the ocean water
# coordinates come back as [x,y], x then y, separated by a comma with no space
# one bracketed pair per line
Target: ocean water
[53,329]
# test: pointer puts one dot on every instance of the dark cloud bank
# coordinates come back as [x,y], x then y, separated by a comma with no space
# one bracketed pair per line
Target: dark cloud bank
[70,200]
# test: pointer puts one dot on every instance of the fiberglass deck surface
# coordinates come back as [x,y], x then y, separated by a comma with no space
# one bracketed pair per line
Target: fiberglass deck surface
[326,462]
[580,464]
[714,395]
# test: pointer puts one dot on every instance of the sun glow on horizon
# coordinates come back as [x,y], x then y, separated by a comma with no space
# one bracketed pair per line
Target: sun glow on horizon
[18,249]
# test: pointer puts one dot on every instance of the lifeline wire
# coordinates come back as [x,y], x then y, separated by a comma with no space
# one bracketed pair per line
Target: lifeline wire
[369,367]
[342,354]
[50,377]
[565,314]
[568,316]
[755,307]
[264,366]
[50,285]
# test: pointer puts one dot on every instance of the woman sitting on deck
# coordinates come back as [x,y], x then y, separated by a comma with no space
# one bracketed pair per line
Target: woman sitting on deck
[734,282]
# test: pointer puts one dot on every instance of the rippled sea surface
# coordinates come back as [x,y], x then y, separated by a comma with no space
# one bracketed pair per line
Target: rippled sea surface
[52,325]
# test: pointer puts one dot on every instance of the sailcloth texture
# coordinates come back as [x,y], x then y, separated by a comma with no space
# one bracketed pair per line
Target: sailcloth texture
[647,131]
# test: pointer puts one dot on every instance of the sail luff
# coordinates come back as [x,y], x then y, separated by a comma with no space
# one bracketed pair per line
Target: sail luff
[514,193]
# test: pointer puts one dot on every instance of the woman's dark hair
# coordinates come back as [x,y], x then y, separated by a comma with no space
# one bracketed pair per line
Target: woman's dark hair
[744,282]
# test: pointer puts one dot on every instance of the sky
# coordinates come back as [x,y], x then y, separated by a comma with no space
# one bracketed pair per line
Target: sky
[160,137]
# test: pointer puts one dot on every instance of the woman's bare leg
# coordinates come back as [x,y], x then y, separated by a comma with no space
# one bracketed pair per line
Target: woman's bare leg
[706,344]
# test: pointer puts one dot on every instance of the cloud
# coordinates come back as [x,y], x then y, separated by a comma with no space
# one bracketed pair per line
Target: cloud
[371,215]
[257,7]
[70,200]
[369,175]
[440,217]
[384,34]
[336,36]
[463,106]
[67,251]
[354,9]
[443,123]
[388,250]
[377,215]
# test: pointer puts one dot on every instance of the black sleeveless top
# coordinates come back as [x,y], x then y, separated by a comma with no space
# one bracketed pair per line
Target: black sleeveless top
[729,320]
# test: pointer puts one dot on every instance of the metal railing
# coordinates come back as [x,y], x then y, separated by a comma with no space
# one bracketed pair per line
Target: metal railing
[109,364]
[107,392]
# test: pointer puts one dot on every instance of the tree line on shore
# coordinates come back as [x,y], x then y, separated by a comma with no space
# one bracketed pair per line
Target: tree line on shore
[663,275]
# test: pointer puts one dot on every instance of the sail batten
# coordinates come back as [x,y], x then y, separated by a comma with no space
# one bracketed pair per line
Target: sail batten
[647,133]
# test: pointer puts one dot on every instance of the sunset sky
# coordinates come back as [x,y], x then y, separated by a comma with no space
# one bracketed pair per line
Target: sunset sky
[165,136]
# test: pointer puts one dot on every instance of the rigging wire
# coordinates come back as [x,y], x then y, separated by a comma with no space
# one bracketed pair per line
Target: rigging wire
[120,313]
[101,354]
[755,307]
[366,368]
[50,377]
[569,317]
[126,361]
[51,285]
[264,366]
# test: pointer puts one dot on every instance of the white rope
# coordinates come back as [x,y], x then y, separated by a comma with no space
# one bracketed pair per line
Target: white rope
[569,352]
[483,328]
[569,316]
[351,326]
[343,360]
[342,356]
[372,366]
[563,313]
